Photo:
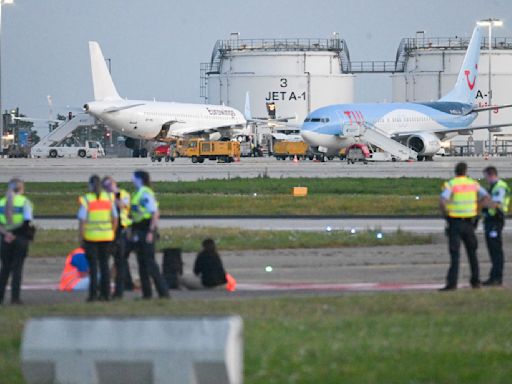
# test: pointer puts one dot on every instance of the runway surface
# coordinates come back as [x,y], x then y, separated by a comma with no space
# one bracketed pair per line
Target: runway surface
[385,224]
[296,272]
[182,169]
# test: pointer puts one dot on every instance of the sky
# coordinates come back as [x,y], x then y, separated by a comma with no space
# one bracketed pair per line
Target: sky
[156,46]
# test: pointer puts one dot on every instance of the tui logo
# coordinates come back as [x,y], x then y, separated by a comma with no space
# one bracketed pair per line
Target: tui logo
[467,72]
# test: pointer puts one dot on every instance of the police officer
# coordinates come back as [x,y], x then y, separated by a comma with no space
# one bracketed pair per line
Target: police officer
[459,204]
[145,215]
[16,214]
[97,224]
[494,221]
[120,249]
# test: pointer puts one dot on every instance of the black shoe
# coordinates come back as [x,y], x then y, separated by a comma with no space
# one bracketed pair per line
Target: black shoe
[492,283]
[16,302]
[476,285]
[447,288]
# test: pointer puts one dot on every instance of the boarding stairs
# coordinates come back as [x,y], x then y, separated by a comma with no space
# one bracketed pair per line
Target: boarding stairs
[65,129]
[368,133]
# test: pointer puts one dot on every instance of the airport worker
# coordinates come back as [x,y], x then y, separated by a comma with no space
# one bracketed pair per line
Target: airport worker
[75,276]
[208,269]
[145,215]
[16,231]
[121,249]
[459,204]
[97,217]
[494,221]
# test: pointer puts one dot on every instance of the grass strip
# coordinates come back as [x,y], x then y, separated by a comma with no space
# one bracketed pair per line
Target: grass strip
[261,205]
[460,337]
[265,197]
[60,242]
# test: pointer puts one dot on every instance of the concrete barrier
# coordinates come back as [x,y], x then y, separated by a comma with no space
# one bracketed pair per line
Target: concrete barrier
[133,350]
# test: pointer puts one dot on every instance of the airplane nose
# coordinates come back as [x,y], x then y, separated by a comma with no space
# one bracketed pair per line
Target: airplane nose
[308,136]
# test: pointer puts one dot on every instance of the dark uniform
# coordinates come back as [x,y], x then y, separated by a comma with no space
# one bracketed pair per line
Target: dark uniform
[13,253]
[460,195]
[97,213]
[143,207]
[494,221]
[121,249]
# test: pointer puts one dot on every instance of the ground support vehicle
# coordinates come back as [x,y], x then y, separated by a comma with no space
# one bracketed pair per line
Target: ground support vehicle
[290,149]
[166,152]
[223,151]
[70,148]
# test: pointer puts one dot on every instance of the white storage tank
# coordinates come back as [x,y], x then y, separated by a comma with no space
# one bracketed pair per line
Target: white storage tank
[431,66]
[298,75]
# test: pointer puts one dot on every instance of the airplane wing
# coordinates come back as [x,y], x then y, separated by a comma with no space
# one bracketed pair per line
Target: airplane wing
[492,127]
[192,131]
[491,108]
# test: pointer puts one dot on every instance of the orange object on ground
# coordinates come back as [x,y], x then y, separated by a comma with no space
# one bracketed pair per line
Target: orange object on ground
[231,284]
[71,275]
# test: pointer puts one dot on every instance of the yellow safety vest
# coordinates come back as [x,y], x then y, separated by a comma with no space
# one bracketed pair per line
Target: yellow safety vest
[98,225]
[138,211]
[18,207]
[504,208]
[464,199]
[125,212]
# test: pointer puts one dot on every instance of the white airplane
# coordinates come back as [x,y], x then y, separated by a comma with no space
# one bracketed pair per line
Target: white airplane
[152,120]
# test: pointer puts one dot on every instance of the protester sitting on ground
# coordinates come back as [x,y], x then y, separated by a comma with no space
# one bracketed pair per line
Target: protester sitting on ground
[208,269]
[75,276]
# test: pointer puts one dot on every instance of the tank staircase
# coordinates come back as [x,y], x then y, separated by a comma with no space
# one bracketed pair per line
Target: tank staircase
[65,129]
[368,133]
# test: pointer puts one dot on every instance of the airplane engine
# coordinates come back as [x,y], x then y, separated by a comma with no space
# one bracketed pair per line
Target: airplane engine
[426,144]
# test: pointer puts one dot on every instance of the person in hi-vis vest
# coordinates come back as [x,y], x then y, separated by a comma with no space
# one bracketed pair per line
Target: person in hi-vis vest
[145,215]
[460,201]
[16,215]
[75,276]
[97,217]
[494,221]
[121,247]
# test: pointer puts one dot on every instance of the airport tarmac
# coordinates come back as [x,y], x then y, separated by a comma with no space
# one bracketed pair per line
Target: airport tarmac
[385,224]
[76,169]
[330,271]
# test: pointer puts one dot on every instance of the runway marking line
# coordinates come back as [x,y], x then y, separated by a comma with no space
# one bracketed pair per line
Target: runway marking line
[335,287]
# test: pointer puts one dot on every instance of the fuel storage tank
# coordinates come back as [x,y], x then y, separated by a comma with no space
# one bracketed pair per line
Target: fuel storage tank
[297,75]
[431,66]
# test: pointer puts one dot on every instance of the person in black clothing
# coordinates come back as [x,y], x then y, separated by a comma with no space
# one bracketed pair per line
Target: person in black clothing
[16,214]
[208,269]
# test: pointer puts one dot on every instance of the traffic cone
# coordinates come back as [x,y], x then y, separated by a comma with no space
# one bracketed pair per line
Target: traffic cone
[295,159]
[95,154]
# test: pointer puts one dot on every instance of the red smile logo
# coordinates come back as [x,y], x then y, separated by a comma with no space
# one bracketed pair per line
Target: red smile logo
[467,72]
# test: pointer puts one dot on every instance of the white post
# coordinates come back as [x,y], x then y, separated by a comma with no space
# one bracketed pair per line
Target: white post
[490,89]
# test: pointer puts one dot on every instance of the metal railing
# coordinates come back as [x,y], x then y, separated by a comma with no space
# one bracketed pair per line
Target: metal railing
[223,47]
[375,67]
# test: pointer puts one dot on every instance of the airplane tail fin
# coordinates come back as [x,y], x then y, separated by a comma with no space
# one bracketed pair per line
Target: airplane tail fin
[465,90]
[104,88]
